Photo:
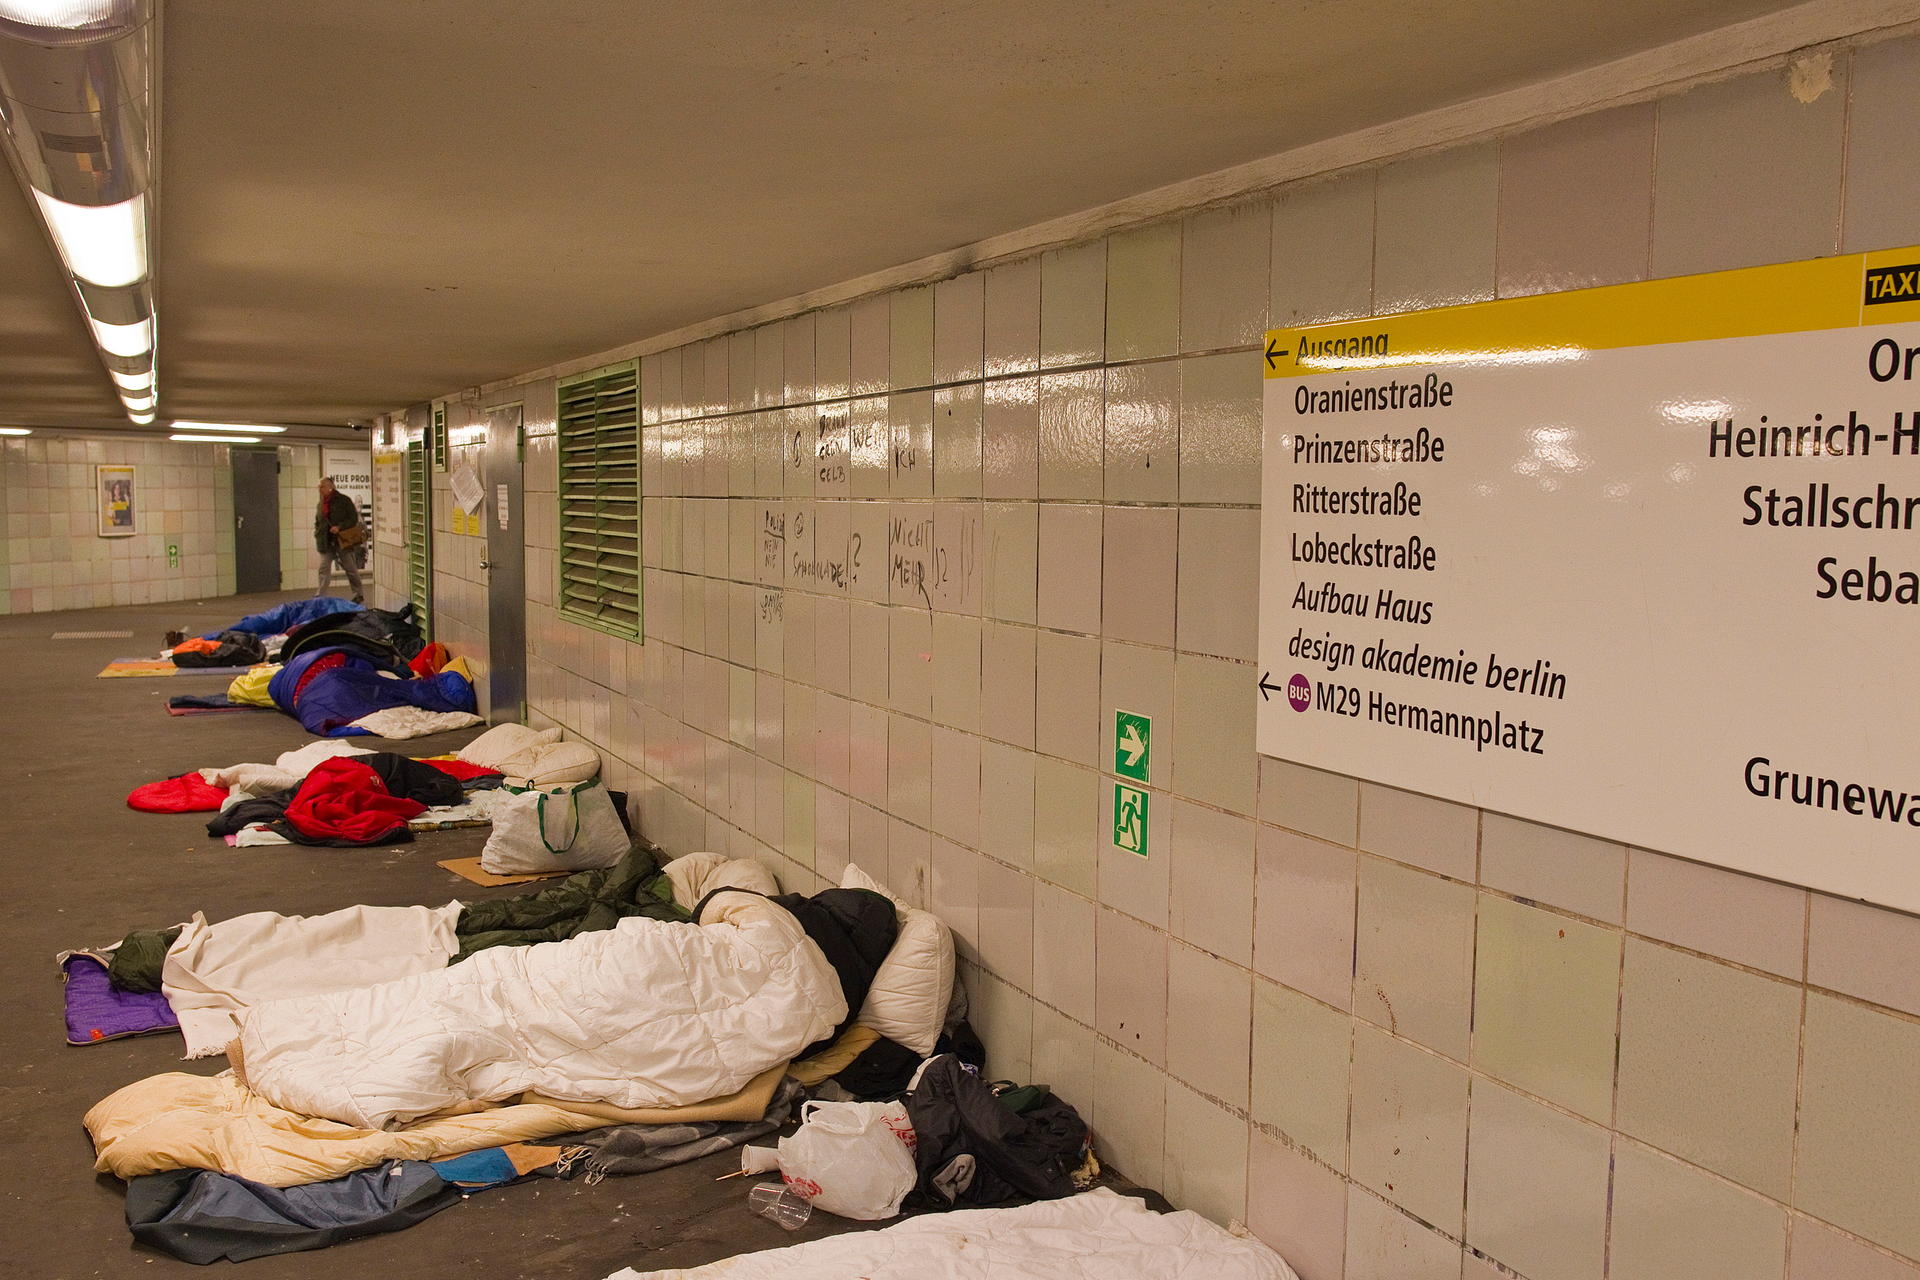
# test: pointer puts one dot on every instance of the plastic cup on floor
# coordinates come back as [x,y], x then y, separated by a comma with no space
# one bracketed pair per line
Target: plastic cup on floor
[773,1200]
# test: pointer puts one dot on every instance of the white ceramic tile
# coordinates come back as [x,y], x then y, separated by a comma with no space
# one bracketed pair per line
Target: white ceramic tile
[1223,276]
[1209,1019]
[959,327]
[1212,881]
[1073,298]
[1130,985]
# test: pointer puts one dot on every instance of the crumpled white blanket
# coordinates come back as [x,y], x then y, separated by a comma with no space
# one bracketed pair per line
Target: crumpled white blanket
[1098,1235]
[647,1013]
[215,970]
[287,770]
[412,722]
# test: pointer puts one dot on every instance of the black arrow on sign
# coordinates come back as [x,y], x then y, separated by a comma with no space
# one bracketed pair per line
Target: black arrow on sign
[1264,686]
[1273,354]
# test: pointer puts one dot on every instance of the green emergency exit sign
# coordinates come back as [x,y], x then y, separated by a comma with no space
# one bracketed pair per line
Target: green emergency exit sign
[1132,741]
[1129,819]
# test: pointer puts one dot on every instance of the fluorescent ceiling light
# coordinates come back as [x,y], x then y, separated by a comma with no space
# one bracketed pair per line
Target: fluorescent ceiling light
[104,245]
[132,381]
[16,431]
[65,13]
[200,439]
[142,418]
[139,404]
[123,339]
[226,426]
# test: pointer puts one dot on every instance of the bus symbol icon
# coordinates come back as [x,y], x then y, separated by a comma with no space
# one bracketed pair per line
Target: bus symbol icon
[1299,693]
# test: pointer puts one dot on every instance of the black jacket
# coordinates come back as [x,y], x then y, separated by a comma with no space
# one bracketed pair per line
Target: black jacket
[337,513]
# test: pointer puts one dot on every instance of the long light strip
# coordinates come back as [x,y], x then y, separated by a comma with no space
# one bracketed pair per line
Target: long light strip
[123,339]
[91,58]
[16,431]
[105,245]
[200,439]
[180,425]
[71,14]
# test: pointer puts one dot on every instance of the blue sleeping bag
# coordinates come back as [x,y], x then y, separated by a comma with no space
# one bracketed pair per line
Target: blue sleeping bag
[288,678]
[283,618]
[361,684]
[334,699]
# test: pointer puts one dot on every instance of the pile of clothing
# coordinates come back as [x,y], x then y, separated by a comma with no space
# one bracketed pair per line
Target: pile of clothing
[334,793]
[618,1021]
[340,668]
[351,673]
[329,793]
[226,649]
[258,637]
[272,625]
[348,801]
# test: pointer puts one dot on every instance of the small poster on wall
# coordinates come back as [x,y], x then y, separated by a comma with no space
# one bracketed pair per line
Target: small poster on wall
[114,486]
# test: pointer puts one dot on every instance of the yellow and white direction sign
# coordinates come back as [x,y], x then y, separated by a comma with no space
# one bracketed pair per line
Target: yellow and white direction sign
[1640,561]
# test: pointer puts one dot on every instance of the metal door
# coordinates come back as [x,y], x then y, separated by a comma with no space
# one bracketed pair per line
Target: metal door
[256,520]
[506,566]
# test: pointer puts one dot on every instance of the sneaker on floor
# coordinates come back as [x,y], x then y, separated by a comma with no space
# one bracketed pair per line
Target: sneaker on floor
[359,599]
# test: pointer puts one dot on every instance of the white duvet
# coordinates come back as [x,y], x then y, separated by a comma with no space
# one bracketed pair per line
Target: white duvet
[1095,1236]
[213,971]
[648,1013]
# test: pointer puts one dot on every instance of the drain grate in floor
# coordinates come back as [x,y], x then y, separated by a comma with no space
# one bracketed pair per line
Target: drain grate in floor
[93,635]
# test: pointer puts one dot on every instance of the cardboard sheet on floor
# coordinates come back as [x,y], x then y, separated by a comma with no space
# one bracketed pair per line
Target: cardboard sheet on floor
[126,668]
[469,869]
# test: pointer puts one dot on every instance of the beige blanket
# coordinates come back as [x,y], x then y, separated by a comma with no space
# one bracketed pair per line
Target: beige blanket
[179,1121]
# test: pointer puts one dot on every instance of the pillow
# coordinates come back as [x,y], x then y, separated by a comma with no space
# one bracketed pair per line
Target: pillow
[501,744]
[908,1000]
[559,763]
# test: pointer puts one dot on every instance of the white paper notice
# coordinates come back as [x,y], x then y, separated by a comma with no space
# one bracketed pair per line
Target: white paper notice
[467,489]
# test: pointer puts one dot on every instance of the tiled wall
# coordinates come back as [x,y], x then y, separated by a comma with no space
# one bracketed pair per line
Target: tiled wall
[1403,1039]
[54,556]
[388,560]
[299,499]
[460,584]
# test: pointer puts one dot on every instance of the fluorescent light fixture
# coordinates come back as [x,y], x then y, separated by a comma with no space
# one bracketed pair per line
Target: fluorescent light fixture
[104,245]
[142,419]
[139,404]
[226,426]
[200,439]
[70,14]
[135,382]
[123,339]
[16,431]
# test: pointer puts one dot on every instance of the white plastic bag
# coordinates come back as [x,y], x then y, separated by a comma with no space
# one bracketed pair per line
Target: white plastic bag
[853,1159]
[566,828]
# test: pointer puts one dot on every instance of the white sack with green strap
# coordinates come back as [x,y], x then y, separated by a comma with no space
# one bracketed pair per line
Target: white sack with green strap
[565,828]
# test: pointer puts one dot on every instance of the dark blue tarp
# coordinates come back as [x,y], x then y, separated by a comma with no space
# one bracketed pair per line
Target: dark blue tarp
[201,1216]
[283,618]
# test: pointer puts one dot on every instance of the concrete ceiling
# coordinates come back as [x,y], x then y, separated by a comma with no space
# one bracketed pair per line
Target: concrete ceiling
[364,204]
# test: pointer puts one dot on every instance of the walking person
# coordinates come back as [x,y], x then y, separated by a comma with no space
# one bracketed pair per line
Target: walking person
[340,538]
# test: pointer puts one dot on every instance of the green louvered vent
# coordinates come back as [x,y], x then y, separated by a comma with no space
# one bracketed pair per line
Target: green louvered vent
[420,536]
[600,499]
[439,445]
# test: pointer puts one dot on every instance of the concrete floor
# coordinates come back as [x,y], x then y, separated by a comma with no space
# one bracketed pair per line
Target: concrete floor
[81,869]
